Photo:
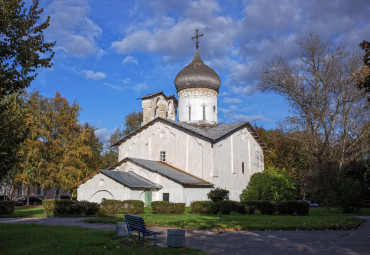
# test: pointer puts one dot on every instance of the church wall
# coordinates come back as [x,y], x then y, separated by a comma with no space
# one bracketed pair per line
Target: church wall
[195,194]
[101,186]
[228,173]
[183,150]
[196,98]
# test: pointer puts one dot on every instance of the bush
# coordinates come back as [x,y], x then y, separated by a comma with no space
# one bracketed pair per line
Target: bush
[201,207]
[271,185]
[164,207]
[218,195]
[302,208]
[292,207]
[49,205]
[6,207]
[65,207]
[89,208]
[265,207]
[227,206]
[133,206]
[111,206]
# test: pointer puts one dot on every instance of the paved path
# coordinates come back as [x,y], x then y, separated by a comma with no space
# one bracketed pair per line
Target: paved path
[349,242]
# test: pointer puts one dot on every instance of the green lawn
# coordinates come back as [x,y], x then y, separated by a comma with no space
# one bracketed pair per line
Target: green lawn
[318,219]
[35,239]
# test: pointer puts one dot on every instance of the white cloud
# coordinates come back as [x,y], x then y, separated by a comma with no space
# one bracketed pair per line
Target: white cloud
[140,87]
[114,87]
[126,81]
[130,59]
[232,100]
[91,75]
[104,134]
[74,32]
[247,118]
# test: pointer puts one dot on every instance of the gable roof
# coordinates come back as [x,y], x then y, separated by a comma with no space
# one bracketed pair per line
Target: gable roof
[159,93]
[166,170]
[128,179]
[213,134]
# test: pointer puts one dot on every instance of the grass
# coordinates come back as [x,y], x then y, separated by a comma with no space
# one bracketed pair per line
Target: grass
[318,219]
[34,239]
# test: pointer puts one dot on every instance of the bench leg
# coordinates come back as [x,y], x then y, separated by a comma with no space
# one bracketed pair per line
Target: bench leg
[142,240]
[155,241]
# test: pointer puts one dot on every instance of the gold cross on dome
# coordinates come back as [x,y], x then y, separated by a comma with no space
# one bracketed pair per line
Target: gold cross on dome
[196,37]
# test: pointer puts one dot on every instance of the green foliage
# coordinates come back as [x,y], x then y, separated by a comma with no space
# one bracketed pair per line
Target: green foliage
[64,207]
[164,207]
[201,207]
[265,207]
[218,195]
[6,207]
[111,206]
[12,133]
[292,207]
[271,185]
[22,45]
[133,206]
[132,122]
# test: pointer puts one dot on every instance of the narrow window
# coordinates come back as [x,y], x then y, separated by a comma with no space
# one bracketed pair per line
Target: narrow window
[242,167]
[162,155]
[166,197]
[189,113]
[155,112]
[204,112]
[166,114]
[20,190]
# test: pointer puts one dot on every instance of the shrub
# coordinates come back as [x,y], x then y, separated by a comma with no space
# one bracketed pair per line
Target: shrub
[218,195]
[133,206]
[164,207]
[111,206]
[265,207]
[226,207]
[292,207]
[160,207]
[49,205]
[302,208]
[89,208]
[250,206]
[6,207]
[271,185]
[65,207]
[201,207]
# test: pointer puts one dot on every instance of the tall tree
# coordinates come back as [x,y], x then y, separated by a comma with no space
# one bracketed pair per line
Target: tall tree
[329,116]
[22,45]
[364,73]
[66,144]
[12,132]
[94,161]
[132,123]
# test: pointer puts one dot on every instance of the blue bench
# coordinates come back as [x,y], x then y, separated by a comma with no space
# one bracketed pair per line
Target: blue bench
[135,223]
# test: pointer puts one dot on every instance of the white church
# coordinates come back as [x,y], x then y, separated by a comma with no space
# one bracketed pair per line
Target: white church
[180,161]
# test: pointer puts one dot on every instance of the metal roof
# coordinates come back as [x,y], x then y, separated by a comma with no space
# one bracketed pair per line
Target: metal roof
[160,93]
[130,179]
[212,133]
[197,75]
[166,170]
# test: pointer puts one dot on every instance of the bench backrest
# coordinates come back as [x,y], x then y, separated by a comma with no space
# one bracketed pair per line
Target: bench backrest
[135,223]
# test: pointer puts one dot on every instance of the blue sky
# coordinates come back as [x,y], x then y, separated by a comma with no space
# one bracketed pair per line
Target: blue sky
[111,52]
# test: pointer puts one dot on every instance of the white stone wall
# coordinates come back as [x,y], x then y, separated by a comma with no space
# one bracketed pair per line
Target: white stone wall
[158,106]
[229,156]
[196,99]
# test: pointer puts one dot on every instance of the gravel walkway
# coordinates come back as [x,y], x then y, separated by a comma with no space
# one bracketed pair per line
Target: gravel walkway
[349,242]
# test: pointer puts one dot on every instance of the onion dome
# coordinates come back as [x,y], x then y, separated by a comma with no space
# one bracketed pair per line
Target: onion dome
[197,75]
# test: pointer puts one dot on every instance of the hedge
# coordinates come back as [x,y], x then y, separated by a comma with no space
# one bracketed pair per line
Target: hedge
[292,207]
[164,207]
[111,206]
[65,207]
[6,207]
[133,206]
[201,207]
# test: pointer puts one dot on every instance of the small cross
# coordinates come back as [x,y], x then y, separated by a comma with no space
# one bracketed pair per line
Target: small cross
[196,37]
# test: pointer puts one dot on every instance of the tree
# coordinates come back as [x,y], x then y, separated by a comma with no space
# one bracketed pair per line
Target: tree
[132,122]
[329,117]
[271,185]
[94,161]
[66,144]
[363,74]
[12,132]
[22,45]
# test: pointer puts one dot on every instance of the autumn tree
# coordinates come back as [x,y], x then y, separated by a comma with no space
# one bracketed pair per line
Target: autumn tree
[66,143]
[363,74]
[328,114]
[22,45]
[94,161]
[132,123]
